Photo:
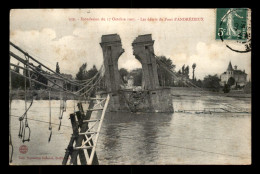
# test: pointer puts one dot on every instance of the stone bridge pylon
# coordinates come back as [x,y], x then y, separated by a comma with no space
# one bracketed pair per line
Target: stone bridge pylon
[112,50]
[143,51]
[152,97]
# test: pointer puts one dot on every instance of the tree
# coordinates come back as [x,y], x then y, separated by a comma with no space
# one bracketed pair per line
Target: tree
[123,73]
[137,75]
[81,75]
[211,82]
[183,69]
[92,72]
[16,80]
[164,76]
[226,88]
[187,71]
[248,87]
[193,67]
[198,83]
[57,68]
[40,78]
[231,81]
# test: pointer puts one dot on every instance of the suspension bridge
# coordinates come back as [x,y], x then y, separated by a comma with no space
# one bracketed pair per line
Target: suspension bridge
[83,142]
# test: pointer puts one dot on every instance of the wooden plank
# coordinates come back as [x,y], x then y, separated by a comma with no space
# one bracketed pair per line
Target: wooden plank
[84,128]
[97,98]
[87,117]
[72,139]
[87,133]
[84,147]
[80,107]
[84,121]
[100,109]
[82,156]
[98,131]
[79,117]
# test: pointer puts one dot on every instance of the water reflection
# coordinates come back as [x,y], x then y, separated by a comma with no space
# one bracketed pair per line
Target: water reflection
[133,137]
[145,138]
[110,141]
[150,135]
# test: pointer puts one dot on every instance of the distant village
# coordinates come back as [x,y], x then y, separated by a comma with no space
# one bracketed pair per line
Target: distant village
[237,76]
[232,78]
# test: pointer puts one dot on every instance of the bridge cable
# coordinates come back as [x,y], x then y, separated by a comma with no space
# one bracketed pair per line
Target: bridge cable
[50,126]
[25,53]
[190,84]
[25,125]
[31,66]
[10,102]
[26,121]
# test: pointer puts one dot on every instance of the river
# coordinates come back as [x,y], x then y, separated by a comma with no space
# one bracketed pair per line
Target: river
[150,138]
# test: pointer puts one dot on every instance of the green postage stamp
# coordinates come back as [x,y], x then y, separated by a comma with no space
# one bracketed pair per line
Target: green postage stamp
[231,24]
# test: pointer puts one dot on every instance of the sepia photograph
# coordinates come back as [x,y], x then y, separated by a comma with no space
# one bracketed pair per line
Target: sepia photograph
[130,86]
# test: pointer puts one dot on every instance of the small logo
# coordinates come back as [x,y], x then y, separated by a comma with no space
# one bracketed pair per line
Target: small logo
[23,149]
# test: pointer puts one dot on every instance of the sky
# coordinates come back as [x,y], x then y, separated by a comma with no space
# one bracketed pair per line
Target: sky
[51,35]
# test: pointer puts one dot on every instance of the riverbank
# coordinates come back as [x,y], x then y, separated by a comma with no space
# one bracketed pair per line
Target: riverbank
[40,95]
[193,92]
[175,91]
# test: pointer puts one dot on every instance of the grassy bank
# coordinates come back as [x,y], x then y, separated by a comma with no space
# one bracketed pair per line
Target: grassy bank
[39,95]
[175,91]
[184,91]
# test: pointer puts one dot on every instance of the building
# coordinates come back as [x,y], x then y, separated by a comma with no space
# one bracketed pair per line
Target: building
[58,81]
[238,75]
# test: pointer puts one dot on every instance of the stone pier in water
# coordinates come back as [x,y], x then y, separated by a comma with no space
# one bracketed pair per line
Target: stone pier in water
[152,97]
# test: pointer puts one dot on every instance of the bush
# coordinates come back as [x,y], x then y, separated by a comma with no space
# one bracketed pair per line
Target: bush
[226,88]
[231,81]
[212,83]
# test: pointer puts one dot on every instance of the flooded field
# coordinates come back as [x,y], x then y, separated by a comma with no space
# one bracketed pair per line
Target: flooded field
[150,138]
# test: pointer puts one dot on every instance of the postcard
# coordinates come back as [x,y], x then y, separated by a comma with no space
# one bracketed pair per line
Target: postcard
[130,86]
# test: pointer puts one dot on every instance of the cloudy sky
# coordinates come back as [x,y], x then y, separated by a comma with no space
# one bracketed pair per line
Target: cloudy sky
[51,37]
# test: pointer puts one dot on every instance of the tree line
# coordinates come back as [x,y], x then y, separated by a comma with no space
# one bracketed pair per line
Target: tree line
[211,82]
[84,74]
[19,82]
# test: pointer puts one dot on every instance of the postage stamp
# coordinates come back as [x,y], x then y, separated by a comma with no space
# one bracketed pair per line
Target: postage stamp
[233,28]
[231,24]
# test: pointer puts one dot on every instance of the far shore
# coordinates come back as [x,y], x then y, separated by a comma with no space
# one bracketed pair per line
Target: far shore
[175,91]
[193,92]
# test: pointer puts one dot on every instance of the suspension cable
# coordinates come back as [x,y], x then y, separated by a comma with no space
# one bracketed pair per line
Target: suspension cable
[25,53]
[34,69]
[26,125]
[50,127]
[10,102]
[187,82]
[38,72]
[41,83]
[61,110]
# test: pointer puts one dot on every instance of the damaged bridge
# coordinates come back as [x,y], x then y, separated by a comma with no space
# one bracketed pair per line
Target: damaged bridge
[152,97]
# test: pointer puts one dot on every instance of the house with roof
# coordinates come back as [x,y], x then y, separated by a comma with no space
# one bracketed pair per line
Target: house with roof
[59,82]
[238,75]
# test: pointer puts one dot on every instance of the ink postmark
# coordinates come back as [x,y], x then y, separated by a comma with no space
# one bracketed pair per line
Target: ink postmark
[233,28]
[23,149]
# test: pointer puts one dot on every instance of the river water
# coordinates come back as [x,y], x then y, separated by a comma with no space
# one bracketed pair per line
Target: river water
[150,138]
